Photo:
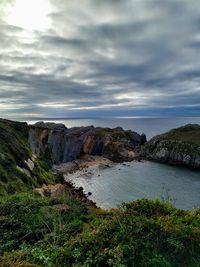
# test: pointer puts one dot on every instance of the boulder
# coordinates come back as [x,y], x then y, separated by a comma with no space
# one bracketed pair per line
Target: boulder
[57,190]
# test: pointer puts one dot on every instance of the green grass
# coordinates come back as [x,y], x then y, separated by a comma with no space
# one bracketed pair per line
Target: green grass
[14,150]
[29,222]
[57,232]
[189,133]
[65,232]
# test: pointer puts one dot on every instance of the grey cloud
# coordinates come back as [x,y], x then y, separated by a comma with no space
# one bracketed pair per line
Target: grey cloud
[97,52]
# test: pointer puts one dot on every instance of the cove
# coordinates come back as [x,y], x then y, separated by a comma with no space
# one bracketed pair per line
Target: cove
[135,180]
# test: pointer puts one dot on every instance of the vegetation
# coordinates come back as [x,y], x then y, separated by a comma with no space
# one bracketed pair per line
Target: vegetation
[14,152]
[189,133]
[116,133]
[39,231]
[63,231]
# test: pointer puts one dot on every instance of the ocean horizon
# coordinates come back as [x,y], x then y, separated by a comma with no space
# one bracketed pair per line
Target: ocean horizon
[151,126]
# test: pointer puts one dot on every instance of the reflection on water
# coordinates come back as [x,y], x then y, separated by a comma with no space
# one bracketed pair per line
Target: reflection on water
[112,186]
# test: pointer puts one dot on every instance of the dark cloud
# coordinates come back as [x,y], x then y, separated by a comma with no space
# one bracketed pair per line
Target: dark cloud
[108,57]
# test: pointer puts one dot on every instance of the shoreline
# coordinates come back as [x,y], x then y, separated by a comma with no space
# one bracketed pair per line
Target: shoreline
[88,181]
[78,193]
[85,165]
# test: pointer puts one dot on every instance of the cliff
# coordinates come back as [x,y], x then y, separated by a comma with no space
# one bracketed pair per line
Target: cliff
[19,169]
[179,146]
[27,152]
[60,144]
[61,229]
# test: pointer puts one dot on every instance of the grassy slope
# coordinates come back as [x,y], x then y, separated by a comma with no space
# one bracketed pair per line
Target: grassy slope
[189,133]
[14,150]
[63,232]
[48,231]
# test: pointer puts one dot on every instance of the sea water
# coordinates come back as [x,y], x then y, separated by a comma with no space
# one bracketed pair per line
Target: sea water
[112,186]
[135,180]
[149,126]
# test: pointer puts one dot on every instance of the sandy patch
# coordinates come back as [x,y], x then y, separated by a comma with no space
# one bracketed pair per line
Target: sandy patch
[84,163]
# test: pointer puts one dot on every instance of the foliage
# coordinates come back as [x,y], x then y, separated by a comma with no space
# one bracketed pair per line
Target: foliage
[14,151]
[64,232]
[189,133]
[56,232]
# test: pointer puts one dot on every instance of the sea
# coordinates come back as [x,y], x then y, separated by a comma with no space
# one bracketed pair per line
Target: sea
[110,187]
[148,125]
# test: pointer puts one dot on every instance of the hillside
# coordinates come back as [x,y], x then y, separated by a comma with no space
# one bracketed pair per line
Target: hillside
[66,230]
[28,152]
[179,146]
[189,133]
[19,169]
[58,232]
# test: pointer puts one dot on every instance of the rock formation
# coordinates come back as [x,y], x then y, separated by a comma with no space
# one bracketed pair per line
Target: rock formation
[60,144]
[179,146]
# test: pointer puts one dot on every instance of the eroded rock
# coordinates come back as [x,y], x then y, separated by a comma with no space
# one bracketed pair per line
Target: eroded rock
[57,190]
[62,145]
[179,146]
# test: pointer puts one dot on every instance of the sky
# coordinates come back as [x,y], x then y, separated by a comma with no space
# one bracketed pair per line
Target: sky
[85,58]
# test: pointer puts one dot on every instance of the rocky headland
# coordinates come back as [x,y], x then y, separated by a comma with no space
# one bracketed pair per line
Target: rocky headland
[179,146]
[31,155]
[61,144]
[28,152]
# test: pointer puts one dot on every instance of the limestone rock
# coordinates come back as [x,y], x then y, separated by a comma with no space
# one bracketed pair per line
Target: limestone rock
[60,144]
[179,146]
[30,164]
[23,170]
[57,190]
[39,191]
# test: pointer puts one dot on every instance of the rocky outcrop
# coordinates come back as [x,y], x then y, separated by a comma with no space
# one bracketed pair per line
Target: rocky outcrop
[61,144]
[57,190]
[179,146]
[64,190]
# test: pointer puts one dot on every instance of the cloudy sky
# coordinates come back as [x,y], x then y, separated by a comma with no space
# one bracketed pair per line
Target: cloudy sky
[61,58]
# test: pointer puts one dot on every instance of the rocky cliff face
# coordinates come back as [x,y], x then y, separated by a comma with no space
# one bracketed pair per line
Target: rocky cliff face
[179,146]
[61,144]
[19,169]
